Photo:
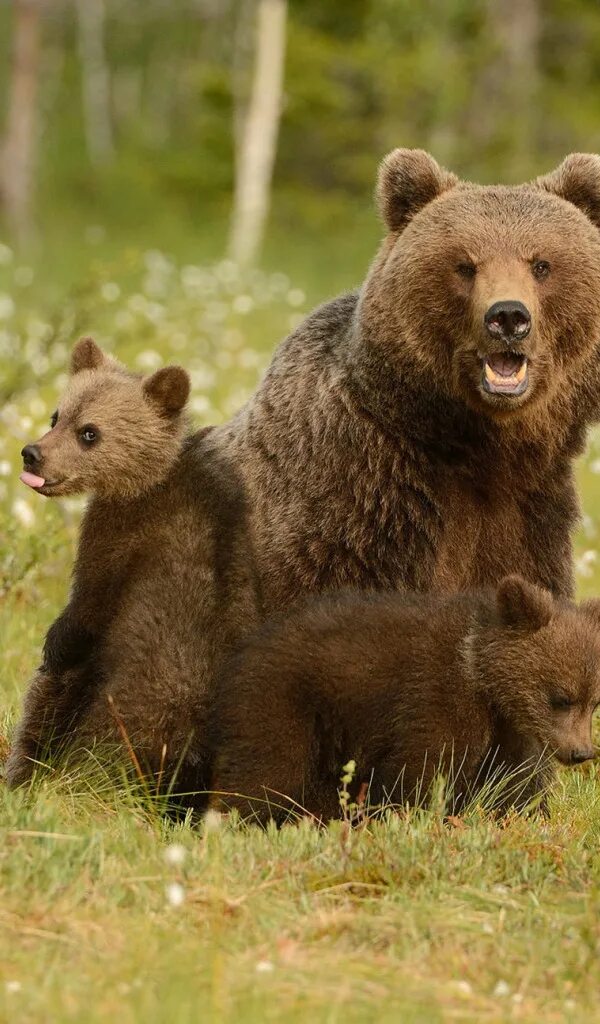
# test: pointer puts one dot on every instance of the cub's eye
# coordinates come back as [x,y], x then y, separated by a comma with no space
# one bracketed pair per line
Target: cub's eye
[54,419]
[540,269]
[561,703]
[466,269]
[88,434]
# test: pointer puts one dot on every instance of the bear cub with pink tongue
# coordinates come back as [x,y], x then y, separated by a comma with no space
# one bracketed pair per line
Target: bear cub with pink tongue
[167,517]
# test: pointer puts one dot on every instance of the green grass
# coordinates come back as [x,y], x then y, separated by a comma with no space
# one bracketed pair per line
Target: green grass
[401,920]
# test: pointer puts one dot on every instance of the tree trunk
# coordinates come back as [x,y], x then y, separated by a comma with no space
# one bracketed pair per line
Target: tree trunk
[18,155]
[95,81]
[258,144]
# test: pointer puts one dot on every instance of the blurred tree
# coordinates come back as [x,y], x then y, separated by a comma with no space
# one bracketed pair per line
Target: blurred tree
[18,153]
[258,142]
[95,77]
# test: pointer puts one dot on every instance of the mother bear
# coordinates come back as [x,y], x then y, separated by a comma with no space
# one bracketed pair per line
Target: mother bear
[420,434]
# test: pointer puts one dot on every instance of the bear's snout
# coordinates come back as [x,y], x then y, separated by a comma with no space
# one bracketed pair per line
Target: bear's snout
[508,320]
[583,754]
[31,455]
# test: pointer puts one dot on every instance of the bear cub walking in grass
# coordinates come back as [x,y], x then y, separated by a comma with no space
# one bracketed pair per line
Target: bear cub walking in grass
[480,685]
[163,581]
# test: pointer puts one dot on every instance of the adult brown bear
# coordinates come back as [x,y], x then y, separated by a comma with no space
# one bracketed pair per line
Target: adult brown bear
[420,434]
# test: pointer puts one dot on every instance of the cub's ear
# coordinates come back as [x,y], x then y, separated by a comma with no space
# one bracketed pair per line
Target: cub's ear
[591,608]
[523,604]
[408,180]
[577,180]
[168,388]
[87,356]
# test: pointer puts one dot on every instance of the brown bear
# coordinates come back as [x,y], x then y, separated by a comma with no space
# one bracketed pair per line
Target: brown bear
[482,686]
[163,579]
[420,434]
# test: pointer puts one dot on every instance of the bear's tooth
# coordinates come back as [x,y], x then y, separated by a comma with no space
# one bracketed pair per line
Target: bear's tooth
[522,371]
[491,376]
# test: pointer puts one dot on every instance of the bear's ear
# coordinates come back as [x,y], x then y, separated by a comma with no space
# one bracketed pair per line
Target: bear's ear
[523,604]
[87,356]
[168,388]
[591,608]
[577,180]
[408,180]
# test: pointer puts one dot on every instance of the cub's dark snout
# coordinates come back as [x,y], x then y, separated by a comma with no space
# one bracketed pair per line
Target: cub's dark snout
[510,321]
[31,455]
[580,755]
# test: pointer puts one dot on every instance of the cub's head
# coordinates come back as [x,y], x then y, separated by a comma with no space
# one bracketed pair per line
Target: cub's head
[114,433]
[488,294]
[538,660]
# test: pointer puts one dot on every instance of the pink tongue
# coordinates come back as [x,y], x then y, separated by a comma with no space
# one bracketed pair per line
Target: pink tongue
[32,480]
[504,365]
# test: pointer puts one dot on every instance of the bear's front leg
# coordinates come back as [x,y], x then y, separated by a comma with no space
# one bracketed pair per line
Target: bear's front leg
[68,644]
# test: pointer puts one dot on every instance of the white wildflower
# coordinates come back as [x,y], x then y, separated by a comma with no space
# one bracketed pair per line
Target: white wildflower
[5,467]
[7,306]
[175,894]
[6,254]
[243,304]
[110,291]
[12,987]
[23,512]
[264,967]
[148,359]
[175,854]
[296,297]
[501,990]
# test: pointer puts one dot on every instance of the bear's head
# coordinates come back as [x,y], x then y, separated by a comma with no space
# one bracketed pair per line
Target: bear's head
[538,662]
[486,294]
[114,434]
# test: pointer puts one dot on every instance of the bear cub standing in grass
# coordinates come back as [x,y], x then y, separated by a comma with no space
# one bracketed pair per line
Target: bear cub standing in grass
[163,580]
[480,685]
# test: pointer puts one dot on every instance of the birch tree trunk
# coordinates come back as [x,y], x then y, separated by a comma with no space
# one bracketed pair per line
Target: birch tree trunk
[258,144]
[95,80]
[18,153]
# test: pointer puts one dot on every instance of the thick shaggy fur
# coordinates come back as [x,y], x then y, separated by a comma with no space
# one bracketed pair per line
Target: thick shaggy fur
[372,457]
[473,684]
[163,584]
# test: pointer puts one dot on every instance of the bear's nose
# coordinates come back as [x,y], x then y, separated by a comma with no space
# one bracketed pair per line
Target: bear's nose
[508,320]
[31,454]
[577,756]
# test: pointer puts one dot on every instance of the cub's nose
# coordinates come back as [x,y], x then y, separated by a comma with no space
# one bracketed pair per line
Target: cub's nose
[31,454]
[509,321]
[578,756]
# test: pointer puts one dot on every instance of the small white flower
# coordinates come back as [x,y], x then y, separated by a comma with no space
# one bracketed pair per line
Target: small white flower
[264,967]
[175,894]
[110,291]
[12,987]
[5,254]
[23,511]
[243,304]
[584,565]
[148,359]
[595,466]
[296,297]
[5,467]
[212,821]
[464,987]
[7,306]
[175,854]
[501,990]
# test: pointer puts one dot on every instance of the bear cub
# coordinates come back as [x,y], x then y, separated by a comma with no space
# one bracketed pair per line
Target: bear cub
[482,686]
[129,658]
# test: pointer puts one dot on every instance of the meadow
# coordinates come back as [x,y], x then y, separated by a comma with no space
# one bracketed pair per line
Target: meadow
[107,910]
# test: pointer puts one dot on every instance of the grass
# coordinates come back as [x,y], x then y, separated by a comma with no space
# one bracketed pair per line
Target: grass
[106,911]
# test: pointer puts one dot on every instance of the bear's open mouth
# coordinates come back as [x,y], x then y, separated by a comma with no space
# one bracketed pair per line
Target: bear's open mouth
[505,373]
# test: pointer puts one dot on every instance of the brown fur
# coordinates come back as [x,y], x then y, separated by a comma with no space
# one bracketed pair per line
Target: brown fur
[163,581]
[471,684]
[371,456]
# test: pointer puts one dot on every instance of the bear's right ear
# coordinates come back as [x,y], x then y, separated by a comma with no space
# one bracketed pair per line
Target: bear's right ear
[168,388]
[87,356]
[409,179]
[523,604]
[577,180]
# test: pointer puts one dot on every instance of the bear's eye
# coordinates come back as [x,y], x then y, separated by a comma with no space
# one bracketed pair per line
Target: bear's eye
[89,434]
[560,702]
[466,269]
[540,269]
[54,419]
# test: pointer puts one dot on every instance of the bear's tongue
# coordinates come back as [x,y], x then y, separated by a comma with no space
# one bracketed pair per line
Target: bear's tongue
[32,480]
[503,364]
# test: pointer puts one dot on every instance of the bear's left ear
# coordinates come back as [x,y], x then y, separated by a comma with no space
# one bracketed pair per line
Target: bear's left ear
[87,355]
[168,388]
[577,180]
[409,179]
[523,604]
